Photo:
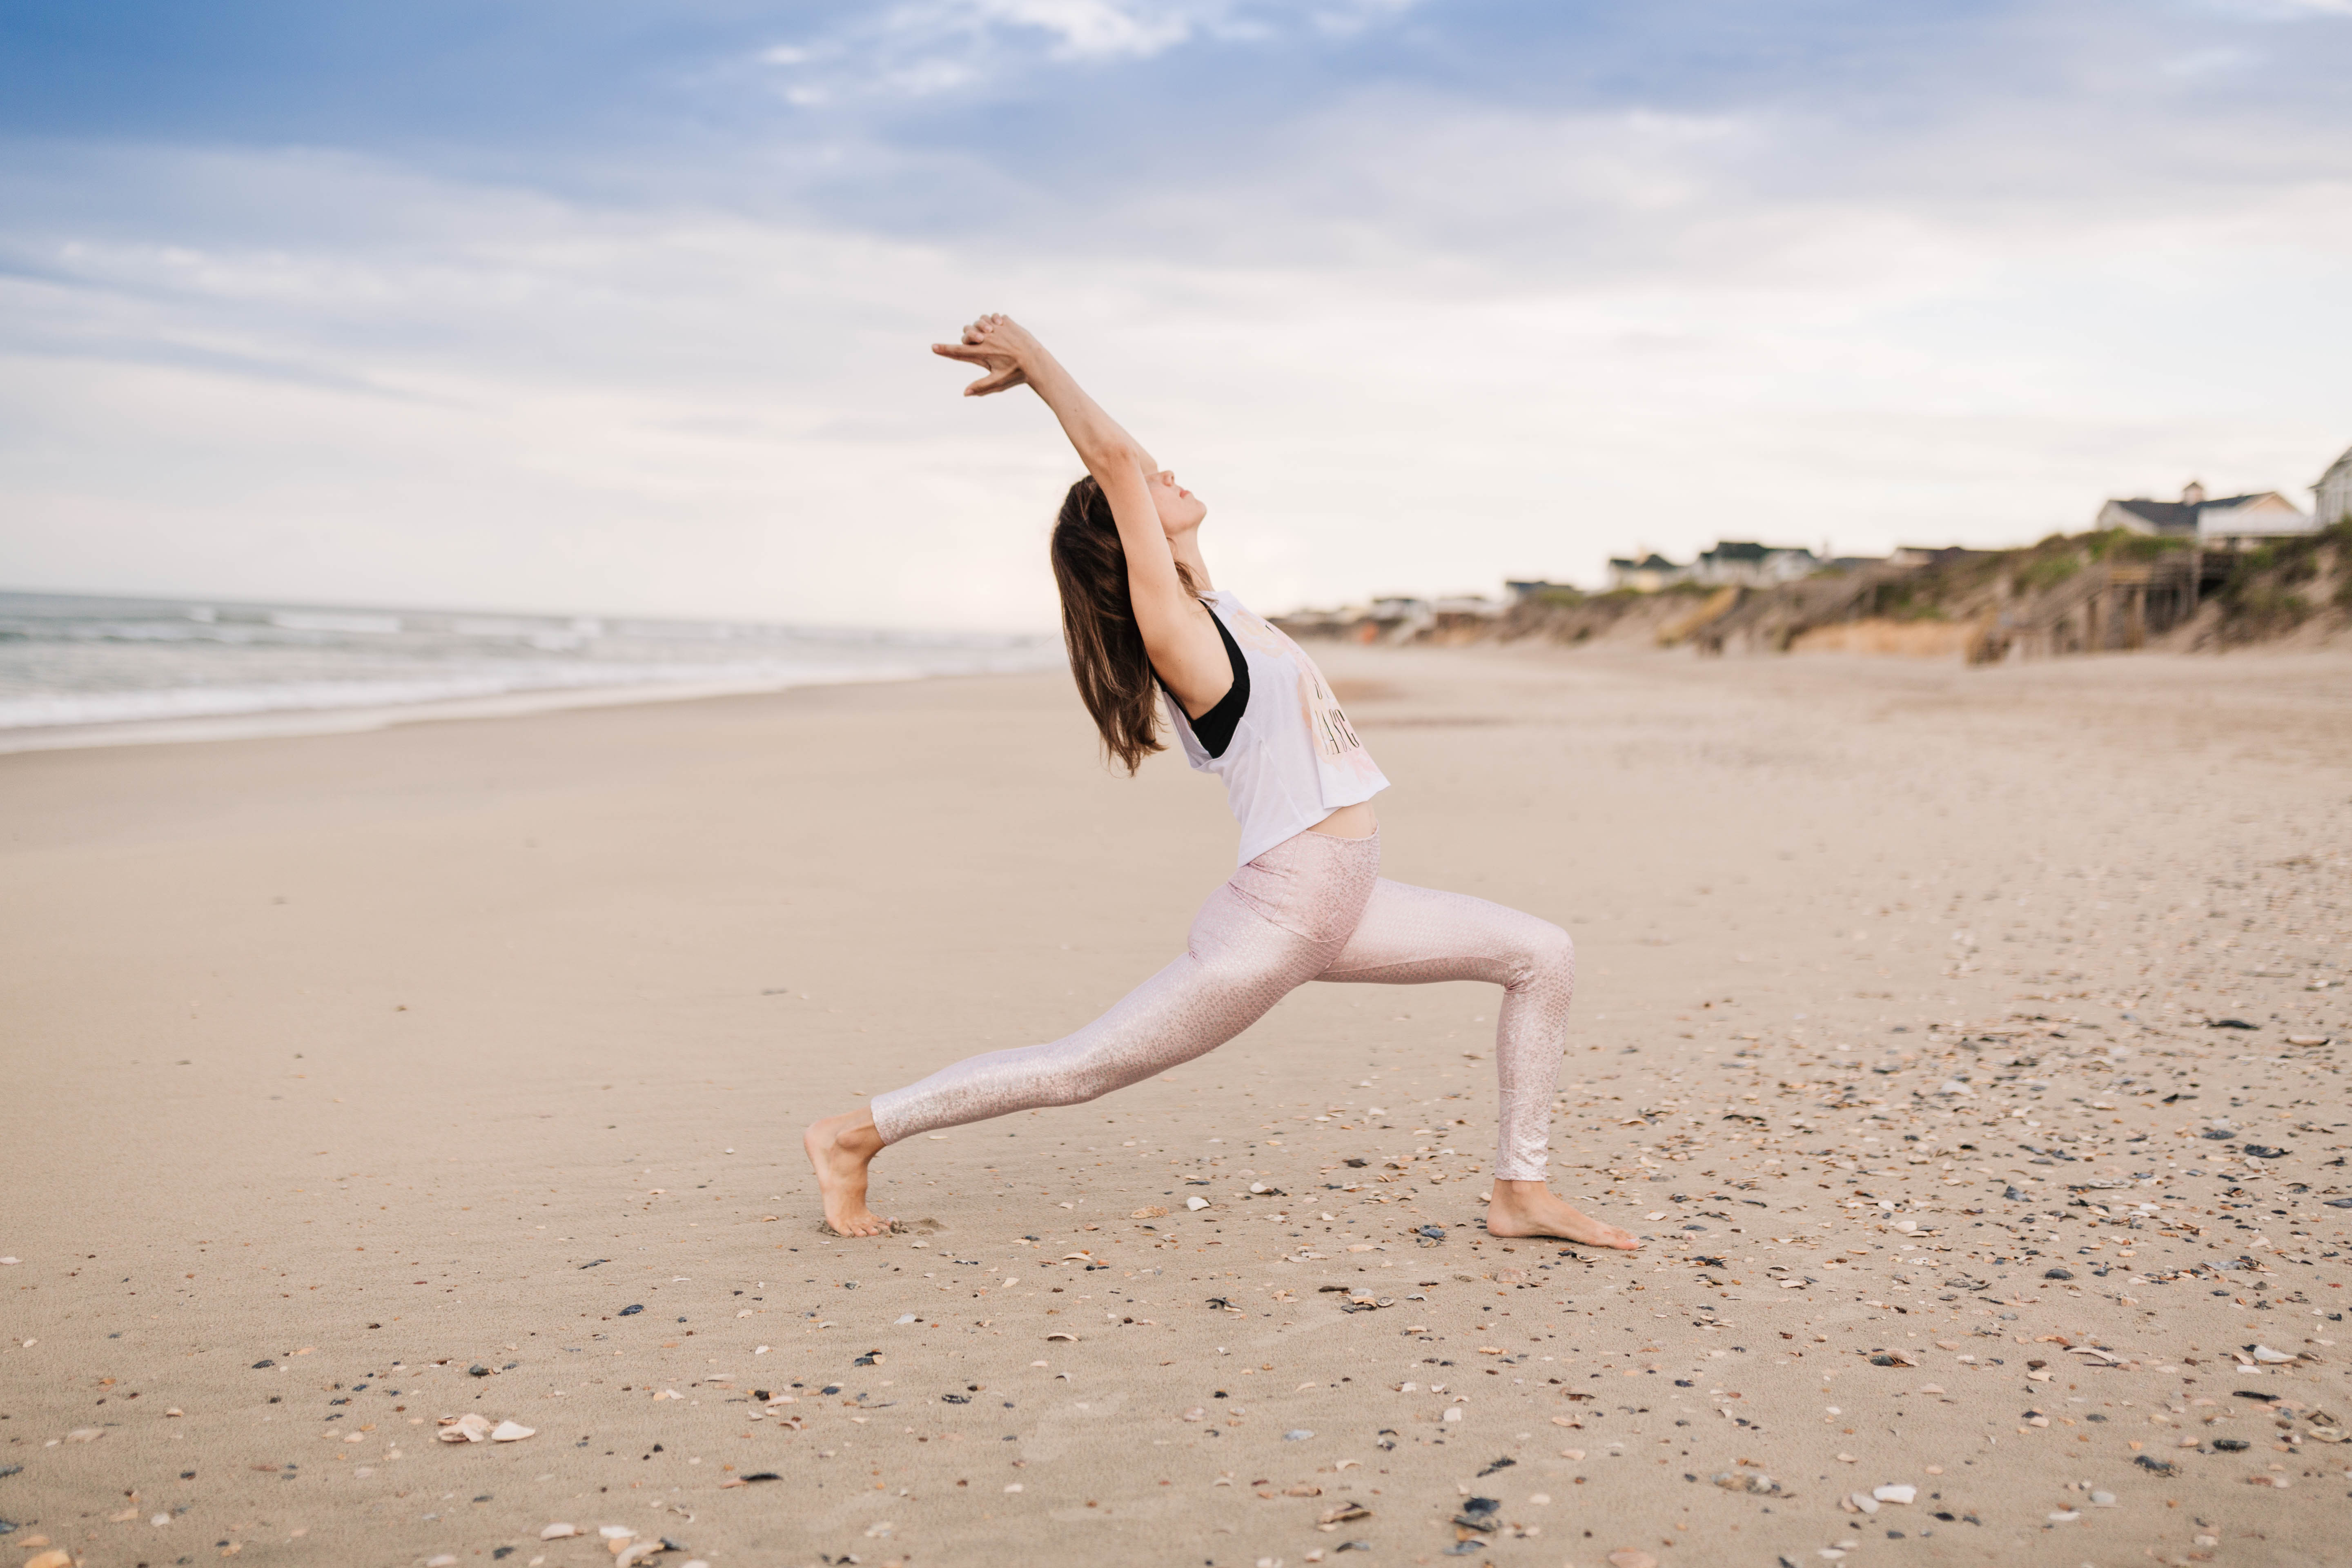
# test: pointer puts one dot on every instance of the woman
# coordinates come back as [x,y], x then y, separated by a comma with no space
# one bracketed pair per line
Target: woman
[1307,903]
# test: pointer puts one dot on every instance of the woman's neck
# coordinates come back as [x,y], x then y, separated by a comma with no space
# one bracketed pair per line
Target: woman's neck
[1186,548]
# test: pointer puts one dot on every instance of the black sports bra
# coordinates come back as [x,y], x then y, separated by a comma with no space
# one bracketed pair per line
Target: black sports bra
[1214,729]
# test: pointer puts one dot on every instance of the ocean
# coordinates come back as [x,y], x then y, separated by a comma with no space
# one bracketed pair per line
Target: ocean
[83,670]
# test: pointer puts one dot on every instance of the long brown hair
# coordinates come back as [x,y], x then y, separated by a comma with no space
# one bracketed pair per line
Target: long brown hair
[1107,654]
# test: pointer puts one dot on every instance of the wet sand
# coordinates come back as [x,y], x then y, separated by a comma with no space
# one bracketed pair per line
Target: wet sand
[358,1081]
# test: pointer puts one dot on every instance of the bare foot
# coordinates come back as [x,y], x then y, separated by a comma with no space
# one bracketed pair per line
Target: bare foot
[1529,1208]
[840,1148]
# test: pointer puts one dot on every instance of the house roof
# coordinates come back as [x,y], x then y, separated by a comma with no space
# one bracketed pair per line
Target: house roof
[2343,462]
[2172,514]
[1749,549]
[2182,515]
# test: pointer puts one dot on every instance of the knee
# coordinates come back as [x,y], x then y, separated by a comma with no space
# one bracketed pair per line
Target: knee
[1087,1079]
[1550,953]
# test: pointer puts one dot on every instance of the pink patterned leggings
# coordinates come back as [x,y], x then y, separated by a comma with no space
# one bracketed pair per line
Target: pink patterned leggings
[1314,907]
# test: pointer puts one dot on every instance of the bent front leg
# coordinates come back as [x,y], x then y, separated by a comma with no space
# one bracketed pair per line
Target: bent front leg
[1411,936]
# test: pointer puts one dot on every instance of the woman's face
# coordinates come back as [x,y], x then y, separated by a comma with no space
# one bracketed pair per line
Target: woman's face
[1180,510]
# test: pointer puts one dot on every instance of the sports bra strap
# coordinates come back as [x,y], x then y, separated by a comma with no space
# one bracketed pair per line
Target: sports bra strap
[1214,729]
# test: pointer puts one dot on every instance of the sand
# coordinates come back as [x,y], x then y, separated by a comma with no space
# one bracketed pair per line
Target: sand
[356,1081]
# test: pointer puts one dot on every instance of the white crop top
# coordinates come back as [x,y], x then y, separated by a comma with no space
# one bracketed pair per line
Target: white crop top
[1294,759]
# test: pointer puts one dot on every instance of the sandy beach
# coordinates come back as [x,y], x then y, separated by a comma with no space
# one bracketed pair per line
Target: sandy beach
[1948,1034]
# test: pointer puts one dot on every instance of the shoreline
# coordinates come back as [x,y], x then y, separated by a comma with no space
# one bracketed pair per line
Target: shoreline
[90,670]
[282,723]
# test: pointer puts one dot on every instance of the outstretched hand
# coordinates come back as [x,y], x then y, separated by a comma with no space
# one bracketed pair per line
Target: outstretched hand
[999,345]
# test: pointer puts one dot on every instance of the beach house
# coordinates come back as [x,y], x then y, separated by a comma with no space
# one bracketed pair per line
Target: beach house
[1536,590]
[1644,574]
[1747,564]
[2332,496]
[2224,522]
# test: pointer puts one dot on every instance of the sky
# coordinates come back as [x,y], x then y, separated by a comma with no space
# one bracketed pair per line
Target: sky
[587,306]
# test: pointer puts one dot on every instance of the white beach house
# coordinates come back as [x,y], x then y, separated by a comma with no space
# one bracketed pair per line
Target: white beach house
[2332,496]
[2222,522]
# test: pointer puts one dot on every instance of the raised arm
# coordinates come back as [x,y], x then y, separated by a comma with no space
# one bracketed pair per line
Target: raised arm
[1177,631]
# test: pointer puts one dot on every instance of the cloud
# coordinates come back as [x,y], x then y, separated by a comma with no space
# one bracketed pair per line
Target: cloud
[678,409]
[2211,62]
[2287,10]
[923,48]
[1097,29]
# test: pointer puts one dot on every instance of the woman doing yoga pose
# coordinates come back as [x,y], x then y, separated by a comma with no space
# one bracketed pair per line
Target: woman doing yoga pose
[1308,902]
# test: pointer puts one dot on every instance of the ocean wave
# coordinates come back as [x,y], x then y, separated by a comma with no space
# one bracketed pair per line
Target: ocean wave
[49,710]
[344,622]
[70,662]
